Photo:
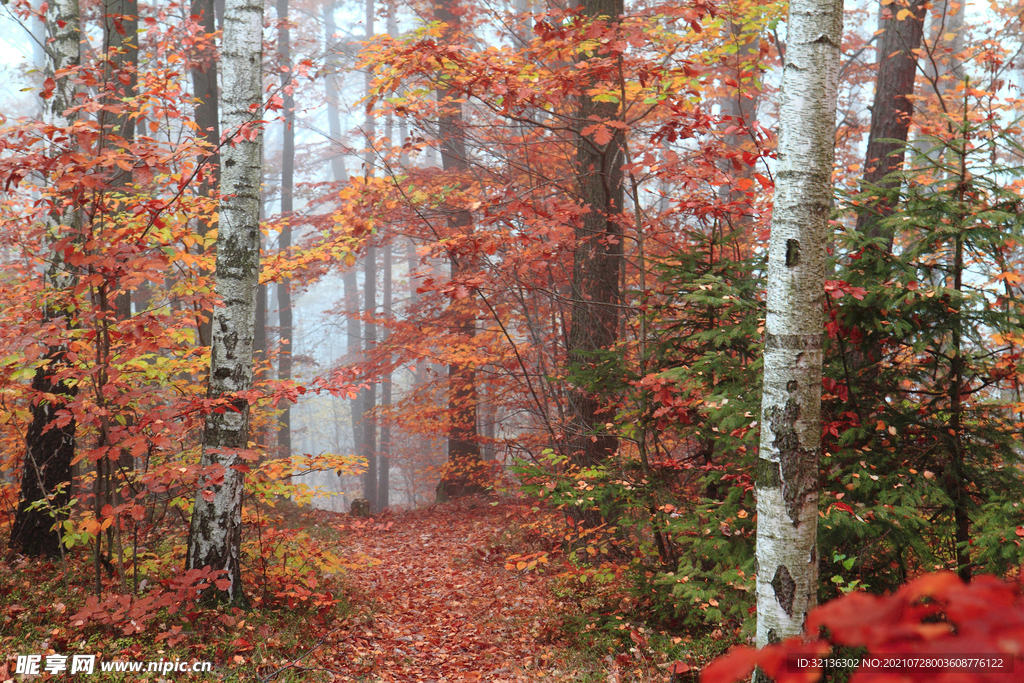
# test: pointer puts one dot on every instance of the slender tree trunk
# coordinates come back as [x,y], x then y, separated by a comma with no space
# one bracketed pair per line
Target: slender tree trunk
[384,461]
[463,473]
[787,473]
[354,346]
[597,260]
[368,444]
[259,346]
[947,41]
[215,535]
[331,87]
[892,110]
[50,443]
[741,108]
[204,89]
[120,31]
[349,278]
[284,288]
[955,478]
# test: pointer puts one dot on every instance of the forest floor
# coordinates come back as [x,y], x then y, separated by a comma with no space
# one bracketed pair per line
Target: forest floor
[473,590]
[438,601]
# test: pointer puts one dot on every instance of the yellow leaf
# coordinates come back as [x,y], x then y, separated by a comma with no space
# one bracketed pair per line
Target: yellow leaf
[949,37]
[903,14]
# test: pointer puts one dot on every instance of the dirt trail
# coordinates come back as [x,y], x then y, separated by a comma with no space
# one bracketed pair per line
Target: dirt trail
[437,604]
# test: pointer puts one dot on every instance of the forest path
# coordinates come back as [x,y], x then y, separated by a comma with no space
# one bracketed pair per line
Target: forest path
[436,603]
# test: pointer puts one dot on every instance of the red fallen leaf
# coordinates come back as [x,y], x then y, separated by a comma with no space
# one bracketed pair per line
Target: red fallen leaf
[678,667]
[1019,531]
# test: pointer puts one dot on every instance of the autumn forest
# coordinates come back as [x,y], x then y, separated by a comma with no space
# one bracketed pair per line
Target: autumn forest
[387,340]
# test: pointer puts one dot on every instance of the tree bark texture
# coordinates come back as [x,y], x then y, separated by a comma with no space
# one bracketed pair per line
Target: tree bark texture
[284,288]
[597,260]
[741,108]
[787,471]
[204,89]
[216,529]
[49,452]
[892,110]
[463,473]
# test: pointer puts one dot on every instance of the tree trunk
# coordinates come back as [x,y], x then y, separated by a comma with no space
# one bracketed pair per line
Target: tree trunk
[368,442]
[216,531]
[787,471]
[259,348]
[50,437]
[597,261]
[204,89]
[331,91]
[354,347]
[383,482]
[892,111]
[463,472]
[741,108]
[284,289]
[947,41]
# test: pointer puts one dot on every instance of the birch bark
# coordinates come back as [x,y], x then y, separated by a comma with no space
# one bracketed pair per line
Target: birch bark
[216,531]
[787,473]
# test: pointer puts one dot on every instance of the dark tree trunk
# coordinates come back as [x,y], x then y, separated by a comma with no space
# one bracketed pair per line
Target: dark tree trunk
[384,461]
[892,112]
[597,263]
[47,466]
[463,474]
[354,347]
[50,438]
[741,108]
[121,28]
[204,89]
[368,443]
[284,289]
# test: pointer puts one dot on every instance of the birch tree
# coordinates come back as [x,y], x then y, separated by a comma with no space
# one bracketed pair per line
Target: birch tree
[787,473]
[216,530]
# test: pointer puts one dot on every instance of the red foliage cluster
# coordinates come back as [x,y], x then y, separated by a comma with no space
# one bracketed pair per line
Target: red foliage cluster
[934,619]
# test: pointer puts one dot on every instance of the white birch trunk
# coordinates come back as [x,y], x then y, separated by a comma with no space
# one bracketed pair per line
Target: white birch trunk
[216,530]
[787,473]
